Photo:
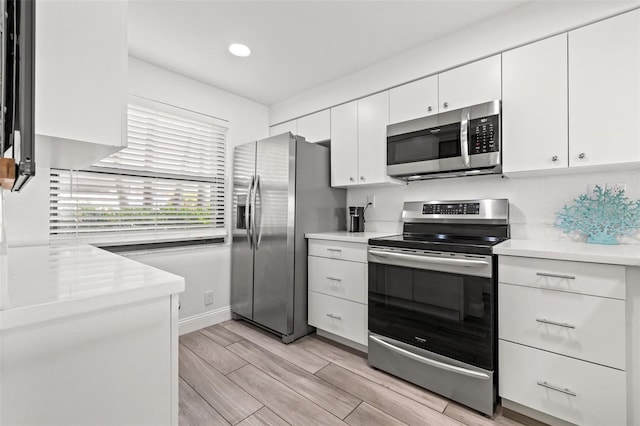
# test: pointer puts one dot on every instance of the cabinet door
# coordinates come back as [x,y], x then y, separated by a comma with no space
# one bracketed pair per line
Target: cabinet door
[413,100]
[470,84]
[81,81]
[373,117]
[315,127]
[287,126]
[604,92]
[344,144]
[534,106]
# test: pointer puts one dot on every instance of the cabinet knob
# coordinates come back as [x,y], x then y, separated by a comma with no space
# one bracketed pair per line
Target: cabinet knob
[554,158]
[362,178]
[429,109]
[581,155]
[445,105]
[351,179]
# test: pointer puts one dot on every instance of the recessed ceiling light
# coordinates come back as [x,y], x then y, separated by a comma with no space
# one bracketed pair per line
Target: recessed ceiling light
[239,49]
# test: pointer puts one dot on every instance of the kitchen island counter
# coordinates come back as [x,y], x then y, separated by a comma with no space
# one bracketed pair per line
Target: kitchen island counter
[43,283]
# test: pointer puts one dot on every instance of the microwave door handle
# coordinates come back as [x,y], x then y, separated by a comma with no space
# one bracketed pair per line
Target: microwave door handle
[464,137]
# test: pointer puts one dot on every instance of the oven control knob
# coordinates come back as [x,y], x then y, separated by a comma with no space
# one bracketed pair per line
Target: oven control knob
[445,105]
[362,178]
[581,155]
[429,109]
[351,179]
[554,158]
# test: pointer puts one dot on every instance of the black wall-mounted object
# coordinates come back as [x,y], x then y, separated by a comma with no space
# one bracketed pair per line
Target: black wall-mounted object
[18,91]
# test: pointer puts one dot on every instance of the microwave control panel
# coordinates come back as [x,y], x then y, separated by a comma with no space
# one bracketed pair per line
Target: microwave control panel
[461,208]
[483,135]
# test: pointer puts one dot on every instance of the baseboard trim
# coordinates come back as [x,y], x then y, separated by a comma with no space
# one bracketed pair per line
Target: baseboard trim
[529,416]
[196,322]
[354,345]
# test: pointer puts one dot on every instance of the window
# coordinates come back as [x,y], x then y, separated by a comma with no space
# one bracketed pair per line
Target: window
[168,184]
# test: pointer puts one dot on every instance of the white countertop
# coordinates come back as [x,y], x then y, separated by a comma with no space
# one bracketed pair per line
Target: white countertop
[622,254]
[42,283]
[353,237]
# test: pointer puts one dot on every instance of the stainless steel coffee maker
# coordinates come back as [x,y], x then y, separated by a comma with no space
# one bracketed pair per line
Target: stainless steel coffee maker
[356,219]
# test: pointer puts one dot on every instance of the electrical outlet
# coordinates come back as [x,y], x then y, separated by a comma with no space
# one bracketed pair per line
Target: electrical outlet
[371,199]
[591,188]
[208,297]
[616,187]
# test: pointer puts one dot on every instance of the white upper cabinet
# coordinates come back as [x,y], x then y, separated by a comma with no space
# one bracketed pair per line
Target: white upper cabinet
[534,106]
[373,117]
[413,100]
[604,92]
[287,126]
[315,127]
[81,81]
[359,141]
[344,144]
[470,84]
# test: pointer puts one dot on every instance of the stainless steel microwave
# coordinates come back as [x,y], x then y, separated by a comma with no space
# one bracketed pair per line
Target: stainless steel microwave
[460,142]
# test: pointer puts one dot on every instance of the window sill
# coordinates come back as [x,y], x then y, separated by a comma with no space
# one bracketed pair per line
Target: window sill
[159,245]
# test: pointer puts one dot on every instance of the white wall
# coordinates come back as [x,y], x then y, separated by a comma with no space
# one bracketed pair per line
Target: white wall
[533,201]
[533,21]
[207,268]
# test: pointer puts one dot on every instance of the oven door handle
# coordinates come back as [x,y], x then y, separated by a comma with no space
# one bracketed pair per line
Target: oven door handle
[431,362]
[467,263]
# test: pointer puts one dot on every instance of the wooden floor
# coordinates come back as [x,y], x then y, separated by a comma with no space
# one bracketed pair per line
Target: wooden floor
[233,373]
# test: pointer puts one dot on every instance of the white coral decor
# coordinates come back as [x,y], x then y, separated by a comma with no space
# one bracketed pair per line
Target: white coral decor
[602,217]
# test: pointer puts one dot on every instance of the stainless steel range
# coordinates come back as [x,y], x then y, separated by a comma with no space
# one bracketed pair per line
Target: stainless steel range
[433,295]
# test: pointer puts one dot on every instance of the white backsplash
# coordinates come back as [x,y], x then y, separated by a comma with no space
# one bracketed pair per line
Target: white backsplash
[533,200]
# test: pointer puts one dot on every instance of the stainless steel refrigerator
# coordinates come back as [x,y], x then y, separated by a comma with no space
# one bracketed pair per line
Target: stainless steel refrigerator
[281,190]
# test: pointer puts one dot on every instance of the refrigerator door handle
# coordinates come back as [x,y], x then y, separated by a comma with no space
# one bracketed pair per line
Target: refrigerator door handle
[248,215]
[257,230]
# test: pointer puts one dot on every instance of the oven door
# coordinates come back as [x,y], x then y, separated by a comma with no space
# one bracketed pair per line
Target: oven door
[441,302]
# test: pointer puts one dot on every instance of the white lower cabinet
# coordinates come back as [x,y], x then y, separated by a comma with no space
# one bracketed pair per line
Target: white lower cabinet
[338,289]
[338,316]
[562,328]
[570,389]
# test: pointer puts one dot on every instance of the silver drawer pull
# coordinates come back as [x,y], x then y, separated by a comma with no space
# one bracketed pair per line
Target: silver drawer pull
[338,317]
[337,250]
[559,324]
[556,388]
[334,279]
[545,274]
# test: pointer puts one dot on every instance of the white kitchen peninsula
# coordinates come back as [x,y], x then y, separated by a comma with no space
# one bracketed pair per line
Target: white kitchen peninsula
[87,337]
[568,328]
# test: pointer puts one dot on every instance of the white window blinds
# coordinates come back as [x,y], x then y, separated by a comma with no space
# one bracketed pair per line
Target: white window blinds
[168,184]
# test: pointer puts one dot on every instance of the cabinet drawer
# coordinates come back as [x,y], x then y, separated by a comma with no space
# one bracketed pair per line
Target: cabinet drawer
[355,252]
[338,316]
[599,393]
[587,327]
[340,278]
[576,277]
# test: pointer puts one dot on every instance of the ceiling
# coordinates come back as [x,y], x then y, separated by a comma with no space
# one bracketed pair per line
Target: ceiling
[296,45]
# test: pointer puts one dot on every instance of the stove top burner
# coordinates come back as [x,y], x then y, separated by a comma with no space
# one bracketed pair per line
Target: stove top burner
[462,226]
[459,244]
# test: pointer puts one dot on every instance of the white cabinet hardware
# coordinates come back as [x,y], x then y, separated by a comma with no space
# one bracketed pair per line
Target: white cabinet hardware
[559,324]
[556,388]
[546,274]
